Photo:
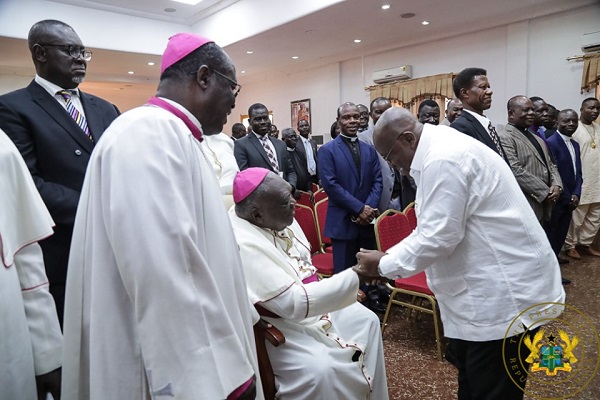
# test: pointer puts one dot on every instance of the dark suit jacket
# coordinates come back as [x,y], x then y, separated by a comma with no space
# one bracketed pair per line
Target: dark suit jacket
[468,124]
[298,160]
[249,152]
[347,193]
[313,145]
[56,152]
[571,180]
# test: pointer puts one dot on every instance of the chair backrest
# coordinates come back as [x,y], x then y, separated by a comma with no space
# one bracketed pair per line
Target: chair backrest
[391,227]
[304,199]
[320,195]
[321,213]
[412,217]
[314,187]
[306,220]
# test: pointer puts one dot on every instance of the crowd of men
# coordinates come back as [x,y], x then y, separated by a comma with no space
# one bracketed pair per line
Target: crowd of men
[117,230]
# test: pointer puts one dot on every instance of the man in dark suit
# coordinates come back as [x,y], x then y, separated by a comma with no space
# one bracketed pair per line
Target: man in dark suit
[550,124]
[472,87]
[309,148]
[238,131]
[350,174]
[297,158]
[567,155]
[258,149]
[55,127]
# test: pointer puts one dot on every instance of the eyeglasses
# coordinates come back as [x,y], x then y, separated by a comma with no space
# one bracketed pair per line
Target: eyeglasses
[387,156]
[236,86]
[73,50]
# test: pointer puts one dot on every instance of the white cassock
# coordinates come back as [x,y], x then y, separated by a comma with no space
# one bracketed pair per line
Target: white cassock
[156,304]
[30,337]
[333,348]
[219,152]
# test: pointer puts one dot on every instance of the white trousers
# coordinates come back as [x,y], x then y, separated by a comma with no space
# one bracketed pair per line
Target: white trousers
[584,225]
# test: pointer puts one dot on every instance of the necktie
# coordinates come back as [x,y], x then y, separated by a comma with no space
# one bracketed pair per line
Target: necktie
[496,139]
[75,114]
[312,167]
[270,155]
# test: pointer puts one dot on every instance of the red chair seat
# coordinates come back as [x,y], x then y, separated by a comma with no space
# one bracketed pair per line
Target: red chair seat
[416,283]
[324,263]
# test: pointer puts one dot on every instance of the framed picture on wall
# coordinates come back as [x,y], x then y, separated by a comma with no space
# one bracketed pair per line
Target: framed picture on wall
[300,110]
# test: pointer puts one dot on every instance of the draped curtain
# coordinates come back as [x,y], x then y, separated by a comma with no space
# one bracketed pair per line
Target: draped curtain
[591,72]
[410,93]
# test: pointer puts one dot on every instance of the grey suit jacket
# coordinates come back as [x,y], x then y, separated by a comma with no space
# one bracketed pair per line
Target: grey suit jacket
[249,152]
[534,174]
[387,173]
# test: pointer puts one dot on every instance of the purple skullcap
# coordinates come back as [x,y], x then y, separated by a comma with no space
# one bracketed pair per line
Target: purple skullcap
[246,182]
[179,46]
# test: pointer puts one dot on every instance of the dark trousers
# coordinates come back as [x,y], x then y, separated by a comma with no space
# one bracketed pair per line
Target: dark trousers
[482,374]
[344,251]
[558,226]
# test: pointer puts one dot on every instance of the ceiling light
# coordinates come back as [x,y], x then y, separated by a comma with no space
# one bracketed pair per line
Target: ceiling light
[295,57]
[190,2]
[151,63]
[407,15]
[357,40]
[249,52]
[130,72]
[425,23]
[243,72]
[170,9]
[385,7]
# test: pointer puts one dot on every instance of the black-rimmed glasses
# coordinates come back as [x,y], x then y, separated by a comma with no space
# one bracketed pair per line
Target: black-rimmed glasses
[73,50]
[236,86]
[387,156]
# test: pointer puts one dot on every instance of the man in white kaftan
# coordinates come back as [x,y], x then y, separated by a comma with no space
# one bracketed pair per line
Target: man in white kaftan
[586,217]
[30,337]
[219,151]
[333,347]
[156,303]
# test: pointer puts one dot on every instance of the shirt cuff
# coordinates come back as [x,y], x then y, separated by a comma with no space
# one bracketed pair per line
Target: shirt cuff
[388,268]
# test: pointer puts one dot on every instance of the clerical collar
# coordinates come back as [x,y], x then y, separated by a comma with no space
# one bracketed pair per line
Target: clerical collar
[290,149]
[350,138]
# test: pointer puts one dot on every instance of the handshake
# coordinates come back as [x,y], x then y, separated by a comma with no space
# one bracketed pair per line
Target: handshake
[367,216]
[367,267]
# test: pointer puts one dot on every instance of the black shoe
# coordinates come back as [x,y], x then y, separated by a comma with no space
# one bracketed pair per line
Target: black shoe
[376,307]
[565,281]
[562,260]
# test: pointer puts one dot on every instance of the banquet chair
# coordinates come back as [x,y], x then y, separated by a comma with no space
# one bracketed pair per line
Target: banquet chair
[391,227]
[321,260]
[321,214]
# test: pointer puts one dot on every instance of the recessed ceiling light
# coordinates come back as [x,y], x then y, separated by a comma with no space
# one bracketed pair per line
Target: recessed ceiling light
[425,23]
[169,9]
[243,72]
[357,40]
[130,72]
[385,7]
[151,63]
[407,15]
[295,57]
[190,2]
[249,52]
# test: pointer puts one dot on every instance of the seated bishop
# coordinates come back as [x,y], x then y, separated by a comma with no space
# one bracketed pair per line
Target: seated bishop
[333,347]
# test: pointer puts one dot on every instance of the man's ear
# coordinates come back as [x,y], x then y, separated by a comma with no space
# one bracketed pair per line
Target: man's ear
[39,53]
[464,93]
[256,216]
[202,76]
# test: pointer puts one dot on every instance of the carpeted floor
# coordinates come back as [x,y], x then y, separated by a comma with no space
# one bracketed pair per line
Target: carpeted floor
[414,373]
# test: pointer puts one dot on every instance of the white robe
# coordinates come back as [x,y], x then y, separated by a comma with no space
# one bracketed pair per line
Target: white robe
[155,301]
[219,152]
[590,162]
[323,324]
[30,336]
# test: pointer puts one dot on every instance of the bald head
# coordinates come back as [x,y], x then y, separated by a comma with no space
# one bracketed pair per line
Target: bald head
[520,112]
[396,136]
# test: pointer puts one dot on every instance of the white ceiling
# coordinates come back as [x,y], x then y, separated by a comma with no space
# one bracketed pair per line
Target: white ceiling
[317,39]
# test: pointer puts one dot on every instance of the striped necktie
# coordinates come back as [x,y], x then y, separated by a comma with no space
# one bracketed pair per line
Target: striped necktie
[74,113]
[272,160]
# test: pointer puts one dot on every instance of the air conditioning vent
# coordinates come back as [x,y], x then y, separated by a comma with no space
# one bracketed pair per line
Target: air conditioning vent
[590,42]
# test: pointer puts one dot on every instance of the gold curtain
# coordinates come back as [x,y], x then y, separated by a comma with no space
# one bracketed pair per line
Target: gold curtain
[408,92]
[591,72]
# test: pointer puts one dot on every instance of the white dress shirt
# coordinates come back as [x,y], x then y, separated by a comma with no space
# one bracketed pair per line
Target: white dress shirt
[486,257]
[569,145]
[53,89]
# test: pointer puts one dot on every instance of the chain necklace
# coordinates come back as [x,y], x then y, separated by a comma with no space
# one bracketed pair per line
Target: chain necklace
[592,134]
